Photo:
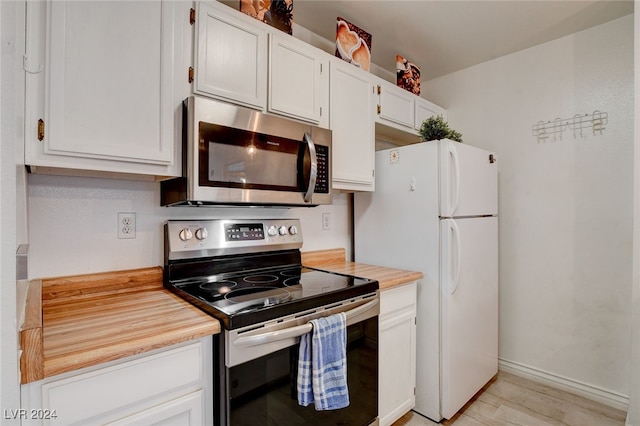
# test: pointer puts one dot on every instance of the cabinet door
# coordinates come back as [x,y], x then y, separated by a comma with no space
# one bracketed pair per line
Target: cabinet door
[109,82]
[397,356]
[88,397]
[231,56]
[298,80]
[395,106]
[184,411]
[352,125]
[425,109]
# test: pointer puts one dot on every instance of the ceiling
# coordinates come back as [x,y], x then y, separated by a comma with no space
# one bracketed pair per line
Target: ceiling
[443,36]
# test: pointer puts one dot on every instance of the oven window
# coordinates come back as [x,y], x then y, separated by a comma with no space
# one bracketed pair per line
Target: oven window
[263,391]
[242,159]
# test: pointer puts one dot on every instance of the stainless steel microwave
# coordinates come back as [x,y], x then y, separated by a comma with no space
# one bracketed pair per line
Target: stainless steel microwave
[236,156]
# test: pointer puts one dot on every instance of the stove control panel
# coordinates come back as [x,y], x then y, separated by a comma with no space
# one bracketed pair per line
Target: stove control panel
[244,232]
[215,237]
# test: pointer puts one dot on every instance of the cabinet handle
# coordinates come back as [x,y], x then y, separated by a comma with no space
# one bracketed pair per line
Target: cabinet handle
[191,72]
[379,108]
[192,16]
[379,89]
[40,129]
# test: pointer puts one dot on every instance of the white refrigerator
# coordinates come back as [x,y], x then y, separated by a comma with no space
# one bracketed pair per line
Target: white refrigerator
[435,210]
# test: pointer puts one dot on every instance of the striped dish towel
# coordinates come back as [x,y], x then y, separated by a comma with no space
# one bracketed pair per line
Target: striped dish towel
[322,364]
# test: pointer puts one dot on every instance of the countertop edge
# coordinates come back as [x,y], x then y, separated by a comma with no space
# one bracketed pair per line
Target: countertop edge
[334,260]
[44,328]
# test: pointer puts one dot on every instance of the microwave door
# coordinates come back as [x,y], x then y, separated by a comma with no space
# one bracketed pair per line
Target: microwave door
[313,167]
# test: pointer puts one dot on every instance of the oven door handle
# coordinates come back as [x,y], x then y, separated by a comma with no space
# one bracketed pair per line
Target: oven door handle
[299,330]
[313,172]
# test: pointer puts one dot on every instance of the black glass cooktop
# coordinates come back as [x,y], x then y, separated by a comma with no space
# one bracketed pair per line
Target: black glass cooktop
[241,299]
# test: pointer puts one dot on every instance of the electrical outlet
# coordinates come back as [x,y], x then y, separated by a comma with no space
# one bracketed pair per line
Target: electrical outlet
[326,221]
[126,225]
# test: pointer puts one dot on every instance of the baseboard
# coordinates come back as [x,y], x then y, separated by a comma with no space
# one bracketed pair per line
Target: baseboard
[594,393]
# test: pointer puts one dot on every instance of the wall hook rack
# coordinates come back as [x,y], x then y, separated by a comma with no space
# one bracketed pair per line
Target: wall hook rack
[595,121]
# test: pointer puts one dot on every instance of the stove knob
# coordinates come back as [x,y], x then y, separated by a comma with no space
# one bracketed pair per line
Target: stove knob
[282,230]
[272,231]
[185,234]
[293,230]
[202,233]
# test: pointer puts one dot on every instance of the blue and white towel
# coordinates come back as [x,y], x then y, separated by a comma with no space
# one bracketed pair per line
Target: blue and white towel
[322,364]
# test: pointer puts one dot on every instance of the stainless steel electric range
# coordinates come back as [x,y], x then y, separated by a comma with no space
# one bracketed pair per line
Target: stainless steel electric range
[248,274]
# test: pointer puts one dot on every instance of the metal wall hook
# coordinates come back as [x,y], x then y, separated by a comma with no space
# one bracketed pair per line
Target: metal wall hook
[596,121]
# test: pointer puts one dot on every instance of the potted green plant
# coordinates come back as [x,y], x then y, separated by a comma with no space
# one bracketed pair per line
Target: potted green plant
[435,128]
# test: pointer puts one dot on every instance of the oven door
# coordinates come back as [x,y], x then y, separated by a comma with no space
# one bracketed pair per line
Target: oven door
[261,371]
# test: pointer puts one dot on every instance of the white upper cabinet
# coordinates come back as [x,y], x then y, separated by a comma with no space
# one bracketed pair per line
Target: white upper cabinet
[298,80]
[101,86]
[353,141]
[399,109]
[425,109]
[395,106]
[241,60]
[231,56]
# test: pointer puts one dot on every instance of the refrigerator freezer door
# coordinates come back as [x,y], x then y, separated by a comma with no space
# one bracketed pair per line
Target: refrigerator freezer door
[469,302]
[468,180]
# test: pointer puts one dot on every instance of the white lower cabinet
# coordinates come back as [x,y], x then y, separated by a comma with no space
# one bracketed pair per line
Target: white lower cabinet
[397,353]
[184,411]
[172,386]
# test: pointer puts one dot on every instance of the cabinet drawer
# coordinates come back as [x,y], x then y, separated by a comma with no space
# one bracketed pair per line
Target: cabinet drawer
[397,299]
[92,394]
[184,411]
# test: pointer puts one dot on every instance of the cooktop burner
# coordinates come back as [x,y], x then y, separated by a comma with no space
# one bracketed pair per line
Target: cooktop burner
[247,272]
[268,295]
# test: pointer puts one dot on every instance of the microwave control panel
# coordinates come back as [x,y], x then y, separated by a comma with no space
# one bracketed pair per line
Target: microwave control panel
[322,180]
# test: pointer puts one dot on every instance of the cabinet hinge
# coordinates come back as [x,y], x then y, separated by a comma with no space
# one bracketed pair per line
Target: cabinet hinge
[379,89]
[191,71]
[192,16]
[373,173]
[40,129]
[379,108]
[320,111]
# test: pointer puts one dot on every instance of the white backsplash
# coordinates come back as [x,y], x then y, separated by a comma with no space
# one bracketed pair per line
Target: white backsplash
[73,224]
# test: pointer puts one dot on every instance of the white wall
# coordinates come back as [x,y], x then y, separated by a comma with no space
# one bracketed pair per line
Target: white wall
[73,224]
[565,206]
[633,415]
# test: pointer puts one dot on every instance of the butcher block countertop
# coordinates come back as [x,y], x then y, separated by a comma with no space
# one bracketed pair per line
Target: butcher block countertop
[85,320]
[334,260]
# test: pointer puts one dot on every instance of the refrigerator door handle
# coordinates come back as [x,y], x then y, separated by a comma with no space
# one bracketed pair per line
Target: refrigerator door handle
[455,279]
[453,202]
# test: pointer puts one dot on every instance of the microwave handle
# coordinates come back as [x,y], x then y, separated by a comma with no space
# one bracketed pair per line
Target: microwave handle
[313,175]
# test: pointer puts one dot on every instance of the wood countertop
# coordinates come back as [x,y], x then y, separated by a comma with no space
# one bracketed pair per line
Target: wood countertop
[86,320]
[334,260]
